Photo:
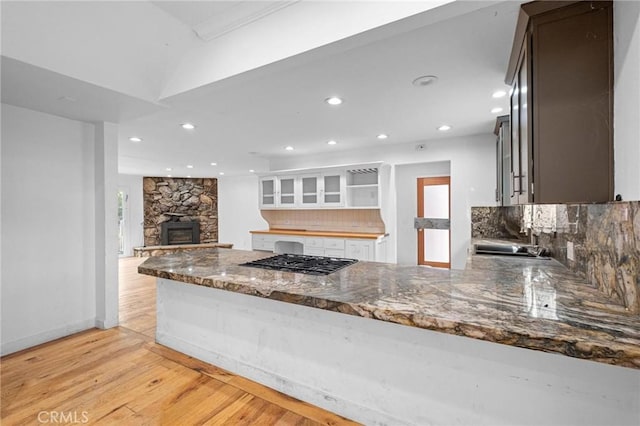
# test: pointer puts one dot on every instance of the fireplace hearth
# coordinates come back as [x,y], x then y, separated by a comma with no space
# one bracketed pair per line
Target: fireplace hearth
[174,233]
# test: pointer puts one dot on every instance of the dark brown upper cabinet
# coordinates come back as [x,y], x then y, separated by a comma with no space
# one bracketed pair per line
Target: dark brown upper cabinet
[561,74]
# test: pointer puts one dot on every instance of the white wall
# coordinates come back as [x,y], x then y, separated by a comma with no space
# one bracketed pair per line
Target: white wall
[626,24]
[134,233]
[473,166]
[49,229]
[238,211]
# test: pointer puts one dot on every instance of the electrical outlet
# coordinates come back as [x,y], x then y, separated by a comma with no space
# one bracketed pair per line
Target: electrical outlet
[570,253]
[421,146]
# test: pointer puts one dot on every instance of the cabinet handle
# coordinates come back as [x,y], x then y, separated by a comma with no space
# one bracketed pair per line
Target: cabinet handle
[513,189]
[513,184]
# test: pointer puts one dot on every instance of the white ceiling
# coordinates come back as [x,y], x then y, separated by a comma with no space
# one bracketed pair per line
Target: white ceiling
[212,19]
[245,120]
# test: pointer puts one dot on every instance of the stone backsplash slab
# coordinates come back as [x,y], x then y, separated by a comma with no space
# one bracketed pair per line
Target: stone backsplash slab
[605,239]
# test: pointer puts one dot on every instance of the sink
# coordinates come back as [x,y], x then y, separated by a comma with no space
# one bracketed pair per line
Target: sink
[511,250]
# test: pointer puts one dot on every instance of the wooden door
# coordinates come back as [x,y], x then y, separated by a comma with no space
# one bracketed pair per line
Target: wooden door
[433,222]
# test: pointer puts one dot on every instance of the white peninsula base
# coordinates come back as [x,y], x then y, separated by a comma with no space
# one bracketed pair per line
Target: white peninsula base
[381,373]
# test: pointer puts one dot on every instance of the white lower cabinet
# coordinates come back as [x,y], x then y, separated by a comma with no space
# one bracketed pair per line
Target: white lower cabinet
[361,249]
[314,251]
[334,253]
[263,242]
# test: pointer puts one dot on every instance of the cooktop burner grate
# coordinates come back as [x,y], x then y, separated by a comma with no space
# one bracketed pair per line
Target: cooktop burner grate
[312,265]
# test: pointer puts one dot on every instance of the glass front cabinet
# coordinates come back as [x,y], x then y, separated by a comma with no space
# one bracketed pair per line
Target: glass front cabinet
[343,187]
[268,192]
[310,185]
[333,189]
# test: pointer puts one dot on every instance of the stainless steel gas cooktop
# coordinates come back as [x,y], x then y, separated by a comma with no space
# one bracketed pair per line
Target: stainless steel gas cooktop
[312,265]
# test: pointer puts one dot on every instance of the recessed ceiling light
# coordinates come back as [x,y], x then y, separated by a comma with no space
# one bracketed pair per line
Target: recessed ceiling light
[189,166]
[424,80]
[334,100]
[499,94]
[214,164]
[444,128]
[289,148]
[496,110]
[188,176]
[188,126]
[332,142]
[135,139]
[168,175]
[168,169]
[382,136]
[251,170]
[221,173]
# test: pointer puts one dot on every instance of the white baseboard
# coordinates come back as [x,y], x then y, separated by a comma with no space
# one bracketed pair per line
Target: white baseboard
[46,336]
[106,323]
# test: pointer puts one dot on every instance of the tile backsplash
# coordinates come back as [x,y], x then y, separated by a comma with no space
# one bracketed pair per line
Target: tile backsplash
[605,239]
[338,220]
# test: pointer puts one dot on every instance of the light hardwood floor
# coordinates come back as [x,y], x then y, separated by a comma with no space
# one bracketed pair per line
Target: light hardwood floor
[121,376]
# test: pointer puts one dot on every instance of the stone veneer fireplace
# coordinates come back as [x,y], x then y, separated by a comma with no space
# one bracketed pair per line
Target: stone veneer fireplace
[178,201]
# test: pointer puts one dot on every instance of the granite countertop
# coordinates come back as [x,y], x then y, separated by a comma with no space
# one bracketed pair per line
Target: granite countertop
[329,234]
[524,302]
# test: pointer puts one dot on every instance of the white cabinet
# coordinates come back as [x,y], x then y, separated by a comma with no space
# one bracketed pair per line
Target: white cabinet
[334,253]
[356,187]
[310,190]
[363,187]
[313,246]
[369,250]
[286,192]
[332,189]
[264,242]
[360,249]
[268,192]
[373,250]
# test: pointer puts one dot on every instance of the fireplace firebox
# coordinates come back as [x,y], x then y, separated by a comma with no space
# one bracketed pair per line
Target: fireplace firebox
[173,233]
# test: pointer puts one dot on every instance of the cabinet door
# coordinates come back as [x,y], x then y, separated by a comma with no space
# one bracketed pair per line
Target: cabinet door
[361,250]
[286,192]
[503,161]
[525,147]
[310,186]
[334,253]
[505,136]
[333,189]
[314,251]
[515,143]
[262,242]
[267,192]
[519,135]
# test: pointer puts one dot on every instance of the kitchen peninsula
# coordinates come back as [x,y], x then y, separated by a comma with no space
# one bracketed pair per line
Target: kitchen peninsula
[431,358]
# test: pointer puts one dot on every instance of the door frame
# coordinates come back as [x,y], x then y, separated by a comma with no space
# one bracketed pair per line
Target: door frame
[126,217]
[439,180]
